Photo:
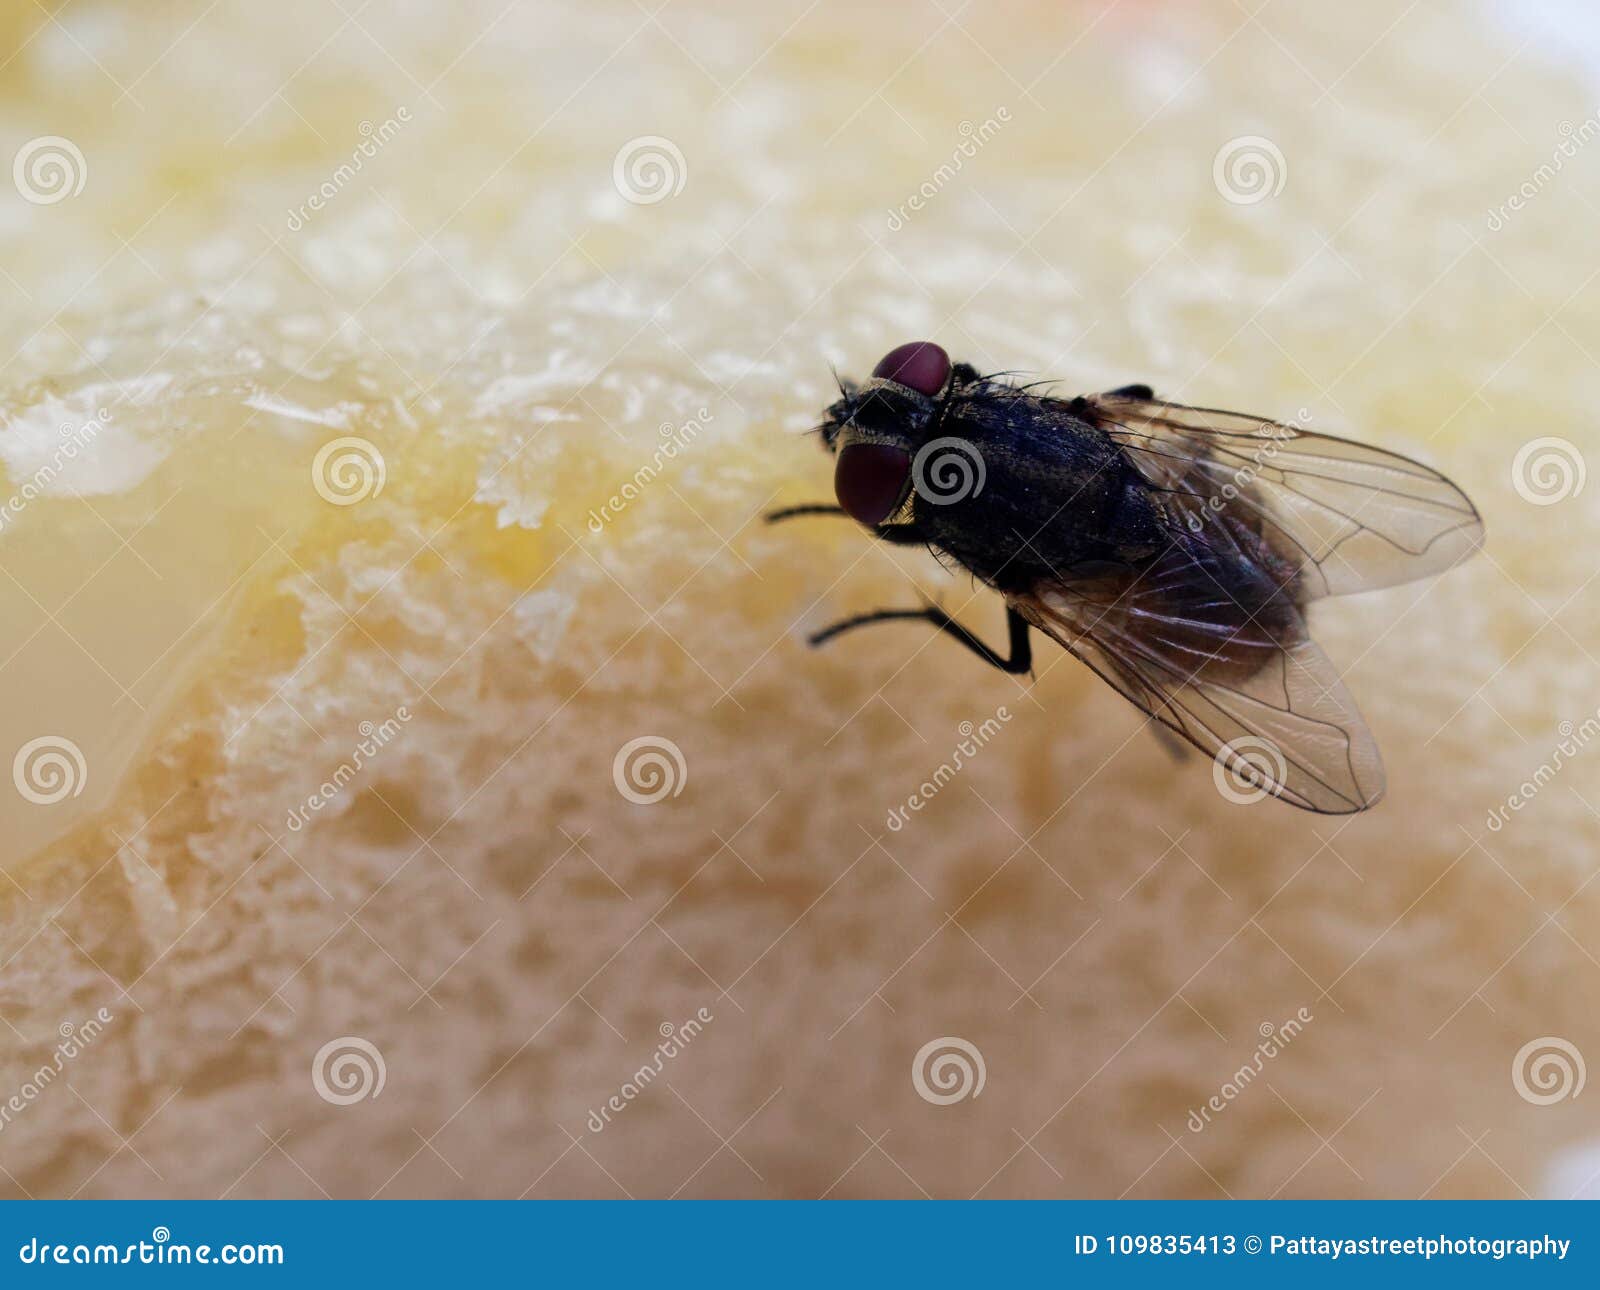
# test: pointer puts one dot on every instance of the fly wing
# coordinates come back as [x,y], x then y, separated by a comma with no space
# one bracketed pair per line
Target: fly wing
[1347,516]
[1253,692]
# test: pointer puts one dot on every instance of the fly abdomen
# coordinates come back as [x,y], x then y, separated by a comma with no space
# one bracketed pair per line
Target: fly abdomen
[1227,614]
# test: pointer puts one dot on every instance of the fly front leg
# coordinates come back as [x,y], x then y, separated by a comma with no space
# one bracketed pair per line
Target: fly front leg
[1020,660]
[898,534]
[795,512]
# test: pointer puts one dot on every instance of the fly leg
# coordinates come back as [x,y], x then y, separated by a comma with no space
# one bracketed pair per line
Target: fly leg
[899,534]
[1021,659]
[1130,392]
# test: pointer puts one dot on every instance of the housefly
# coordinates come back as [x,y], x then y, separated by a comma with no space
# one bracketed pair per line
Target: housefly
[1173,549]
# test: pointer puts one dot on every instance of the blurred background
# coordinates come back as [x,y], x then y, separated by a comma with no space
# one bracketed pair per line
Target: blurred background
[419,782]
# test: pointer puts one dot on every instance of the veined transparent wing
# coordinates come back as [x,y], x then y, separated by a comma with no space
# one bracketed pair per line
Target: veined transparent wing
[1346,516]
[1243,682]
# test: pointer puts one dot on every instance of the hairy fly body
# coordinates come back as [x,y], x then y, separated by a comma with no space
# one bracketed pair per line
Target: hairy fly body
[1172,549]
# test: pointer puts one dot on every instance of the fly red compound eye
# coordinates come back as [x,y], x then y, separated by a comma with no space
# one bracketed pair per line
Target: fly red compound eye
[920,364]
[870,479]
